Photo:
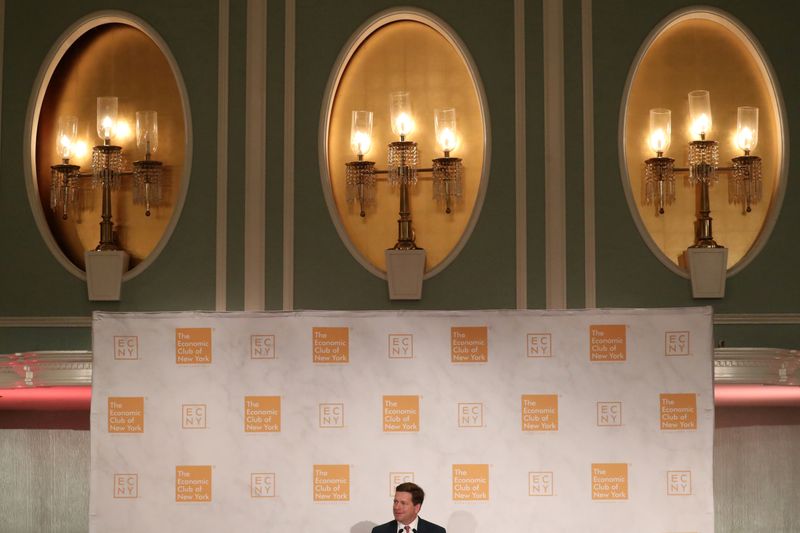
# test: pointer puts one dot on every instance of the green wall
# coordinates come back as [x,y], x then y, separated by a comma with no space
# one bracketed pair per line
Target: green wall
[33,283]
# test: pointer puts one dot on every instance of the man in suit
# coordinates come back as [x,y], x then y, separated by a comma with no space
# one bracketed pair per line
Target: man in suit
[408,499]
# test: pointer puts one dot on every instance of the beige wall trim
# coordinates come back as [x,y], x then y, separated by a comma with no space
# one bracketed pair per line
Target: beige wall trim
[520,170]
[221,293]
[757,318]
[45,322]
[288,158]
[255,157]
[590,246]
[554,165]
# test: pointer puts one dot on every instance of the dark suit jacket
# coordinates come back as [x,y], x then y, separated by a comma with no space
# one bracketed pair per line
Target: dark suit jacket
[423,526]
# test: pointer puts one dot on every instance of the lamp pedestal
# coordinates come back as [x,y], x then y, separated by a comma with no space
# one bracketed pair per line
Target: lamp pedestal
[404,271]
[707,270]
[104,270]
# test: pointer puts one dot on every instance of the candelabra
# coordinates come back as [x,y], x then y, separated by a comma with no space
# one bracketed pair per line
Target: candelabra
[744,185]
[107,166]
[402,174]
[67,188]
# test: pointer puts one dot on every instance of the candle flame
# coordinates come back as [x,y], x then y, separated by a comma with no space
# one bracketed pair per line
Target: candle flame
[404,124]
[447,139]
[361,143]
[744,139]
[701,125]
[658,140]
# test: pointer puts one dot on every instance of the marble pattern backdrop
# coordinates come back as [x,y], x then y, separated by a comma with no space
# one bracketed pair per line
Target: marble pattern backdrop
[512,421]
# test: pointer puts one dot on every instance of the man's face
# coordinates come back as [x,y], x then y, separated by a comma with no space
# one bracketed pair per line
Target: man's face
[404,509]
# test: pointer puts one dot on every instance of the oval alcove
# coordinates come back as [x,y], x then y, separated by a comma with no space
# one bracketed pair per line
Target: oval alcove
[108,54]
[414,51]
[703,49]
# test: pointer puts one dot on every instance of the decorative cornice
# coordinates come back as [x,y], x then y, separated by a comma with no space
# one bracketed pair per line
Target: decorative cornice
[45,369]
[757,318]
[755,366]
[761,366]
[45,321]
[86,321]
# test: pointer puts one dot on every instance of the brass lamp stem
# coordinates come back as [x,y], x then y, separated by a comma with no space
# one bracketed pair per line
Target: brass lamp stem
[107,156]
[703,231]
[106,225]
[405,234]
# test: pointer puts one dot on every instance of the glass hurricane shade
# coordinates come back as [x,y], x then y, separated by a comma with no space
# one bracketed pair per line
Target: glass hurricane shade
[67,136]
[147,131]
[401,115]
[746,128]
[700,113]
[445,125]
[660,129]
[106,116]
[361,132]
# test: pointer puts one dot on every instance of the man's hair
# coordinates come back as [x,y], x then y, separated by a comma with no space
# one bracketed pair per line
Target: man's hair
[417,494]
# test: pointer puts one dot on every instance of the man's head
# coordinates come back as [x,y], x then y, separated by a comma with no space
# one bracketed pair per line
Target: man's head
[408,499]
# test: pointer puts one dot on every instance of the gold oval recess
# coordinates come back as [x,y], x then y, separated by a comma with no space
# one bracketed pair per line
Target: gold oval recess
[108,54]
[703,49]
[404,50]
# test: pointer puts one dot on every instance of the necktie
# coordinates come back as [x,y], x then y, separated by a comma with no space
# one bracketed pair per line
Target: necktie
[408,528]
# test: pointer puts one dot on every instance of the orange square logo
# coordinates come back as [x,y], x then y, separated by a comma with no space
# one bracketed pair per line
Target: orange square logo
[401,346]
[608,343]
[331,483]
[678,411]
[540,483]
[470,415]
[609,481]
[540,345]
[331,415]
[470,482]
[679,483]
[469,344]
[126,415]
[330,345]
[609,413]
[539,412]
[262,414]
[396,478]
[192,346]
[262,346]
[676,343]
[193,483]
[126,348]
[262,485]
[193,416]
[126,486]
[401,413]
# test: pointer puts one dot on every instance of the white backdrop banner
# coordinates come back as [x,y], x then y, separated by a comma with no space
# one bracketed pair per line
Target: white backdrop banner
[512,421]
